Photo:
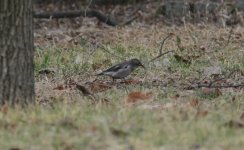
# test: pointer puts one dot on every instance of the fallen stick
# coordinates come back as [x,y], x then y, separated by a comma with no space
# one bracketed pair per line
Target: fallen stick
[161,48]
[84,13]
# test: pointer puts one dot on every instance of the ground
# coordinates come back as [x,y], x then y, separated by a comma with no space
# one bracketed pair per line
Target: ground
[172,104]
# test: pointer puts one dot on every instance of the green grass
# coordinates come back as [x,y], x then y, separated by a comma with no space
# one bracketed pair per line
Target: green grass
[80,125]
[65,119]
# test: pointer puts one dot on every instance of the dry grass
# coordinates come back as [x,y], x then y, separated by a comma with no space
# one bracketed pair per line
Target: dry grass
[170,118]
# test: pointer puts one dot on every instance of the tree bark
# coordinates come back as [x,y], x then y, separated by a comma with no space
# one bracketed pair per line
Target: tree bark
[16,52]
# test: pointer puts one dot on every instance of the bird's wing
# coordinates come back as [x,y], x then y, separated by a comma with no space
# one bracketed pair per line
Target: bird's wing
[114,68]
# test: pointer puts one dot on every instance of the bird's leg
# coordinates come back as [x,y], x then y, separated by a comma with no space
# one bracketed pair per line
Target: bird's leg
[113,80]
[123,80]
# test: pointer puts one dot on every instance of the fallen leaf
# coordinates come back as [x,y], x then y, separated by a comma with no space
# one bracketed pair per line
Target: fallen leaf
[59,87]
[134,97]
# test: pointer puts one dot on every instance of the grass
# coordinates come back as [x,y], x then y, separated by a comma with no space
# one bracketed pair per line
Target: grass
[75,126]
[173,118]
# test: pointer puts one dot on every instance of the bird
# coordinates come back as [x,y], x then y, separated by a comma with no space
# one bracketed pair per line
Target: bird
[122,70]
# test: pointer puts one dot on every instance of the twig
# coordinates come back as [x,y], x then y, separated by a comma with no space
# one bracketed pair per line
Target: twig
[212,82]
[128,21]
[132,18]
[161,55]
[161,48]
[223,78]
[219,86]
[162,43]
[210,85]
[73,14]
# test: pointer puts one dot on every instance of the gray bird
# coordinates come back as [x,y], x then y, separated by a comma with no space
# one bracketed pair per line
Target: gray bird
[123,69]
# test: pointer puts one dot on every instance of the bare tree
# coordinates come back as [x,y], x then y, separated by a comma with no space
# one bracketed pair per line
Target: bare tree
[16,52]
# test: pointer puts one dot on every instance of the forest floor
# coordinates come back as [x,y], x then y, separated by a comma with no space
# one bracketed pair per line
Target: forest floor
[190,98]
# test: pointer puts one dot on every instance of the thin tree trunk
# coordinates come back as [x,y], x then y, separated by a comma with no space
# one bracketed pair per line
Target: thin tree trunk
[16,52]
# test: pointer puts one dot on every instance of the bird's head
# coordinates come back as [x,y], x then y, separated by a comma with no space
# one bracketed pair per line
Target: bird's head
[135,62]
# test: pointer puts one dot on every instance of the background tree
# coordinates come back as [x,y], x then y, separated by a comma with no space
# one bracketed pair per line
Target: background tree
[16,52]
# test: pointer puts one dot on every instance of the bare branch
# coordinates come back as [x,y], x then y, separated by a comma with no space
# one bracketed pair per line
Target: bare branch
[211,83]
[161,48]
[161,55]
[162,43]
[84,13]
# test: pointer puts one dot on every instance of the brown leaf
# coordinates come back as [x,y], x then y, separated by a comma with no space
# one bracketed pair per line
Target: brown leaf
[134,97]
[83,89]
[194,102]
[59,87]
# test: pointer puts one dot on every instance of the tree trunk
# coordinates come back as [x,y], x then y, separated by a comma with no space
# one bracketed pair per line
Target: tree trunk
[16,52]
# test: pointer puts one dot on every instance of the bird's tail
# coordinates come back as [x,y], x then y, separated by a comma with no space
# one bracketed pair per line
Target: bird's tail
[99,74]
